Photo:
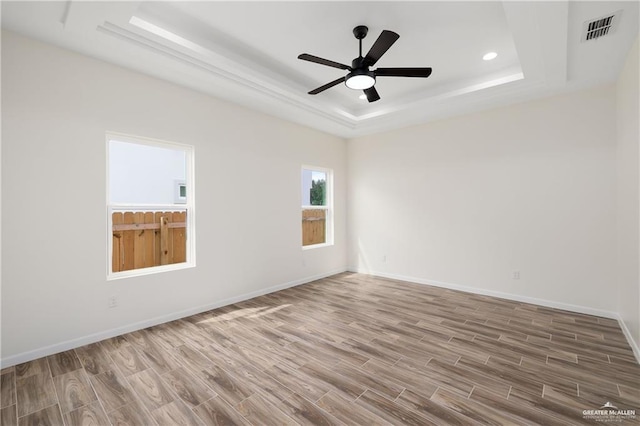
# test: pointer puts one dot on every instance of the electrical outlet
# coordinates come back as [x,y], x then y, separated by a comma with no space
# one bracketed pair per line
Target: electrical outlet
[516,275]
[113,302]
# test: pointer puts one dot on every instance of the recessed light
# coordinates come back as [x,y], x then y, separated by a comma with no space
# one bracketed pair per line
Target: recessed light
[363,96]
[489,56]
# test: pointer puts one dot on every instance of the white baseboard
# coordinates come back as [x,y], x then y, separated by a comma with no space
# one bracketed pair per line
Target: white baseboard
[630,339]
[510,296]
[96,337]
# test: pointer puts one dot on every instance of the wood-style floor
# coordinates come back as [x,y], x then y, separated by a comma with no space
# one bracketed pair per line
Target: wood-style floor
[347,350]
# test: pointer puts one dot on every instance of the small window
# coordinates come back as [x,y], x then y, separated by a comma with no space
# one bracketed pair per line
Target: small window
[317,214]
[150,206]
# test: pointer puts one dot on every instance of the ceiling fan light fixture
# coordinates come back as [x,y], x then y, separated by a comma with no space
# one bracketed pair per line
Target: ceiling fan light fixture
[360,80]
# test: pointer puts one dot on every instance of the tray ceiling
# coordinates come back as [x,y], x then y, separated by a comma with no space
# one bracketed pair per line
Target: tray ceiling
[247,52]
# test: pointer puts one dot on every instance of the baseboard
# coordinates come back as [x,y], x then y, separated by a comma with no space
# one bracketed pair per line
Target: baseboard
[632,342]
[510,296]
[96,337]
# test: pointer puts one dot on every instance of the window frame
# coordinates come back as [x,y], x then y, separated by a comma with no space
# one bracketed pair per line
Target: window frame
[188,207]
[328,206]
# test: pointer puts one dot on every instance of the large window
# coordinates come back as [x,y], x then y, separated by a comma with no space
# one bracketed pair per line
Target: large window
[317,213]
[150,206]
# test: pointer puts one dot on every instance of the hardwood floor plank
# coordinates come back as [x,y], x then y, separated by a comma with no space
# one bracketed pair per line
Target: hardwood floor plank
[166,337]
[192,358]
[189,389]
[88,415]
[551,408]
[115,343]
[223,357]
[7,389]
[263,383]
[597,394]
[193,334]
[479,379]
[316,332]
[390,411]
[64,362]
[316,372]
[488,347]
[249,356]
[508,373]
[423,379]
[305,412]
[175,413]
[94,358]
[73,390]
[49,416]
[112,389]
[298,383]
[284,356]
[226,385]
[9,416]
[346,411]
[159,359]
[523,414]
[217,412]
[8,370]
[372,351]
[472,409]
[385,388]
[128,360]
[630,393]
[35,393]
[258,410]
[433,412]
[151,390]
[131,414]
[32,368]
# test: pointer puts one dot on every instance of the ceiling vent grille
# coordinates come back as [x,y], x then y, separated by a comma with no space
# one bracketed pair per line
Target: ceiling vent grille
[600,27]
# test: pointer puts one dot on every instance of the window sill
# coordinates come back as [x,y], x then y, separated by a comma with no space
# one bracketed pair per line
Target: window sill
[149,271]
[315,246]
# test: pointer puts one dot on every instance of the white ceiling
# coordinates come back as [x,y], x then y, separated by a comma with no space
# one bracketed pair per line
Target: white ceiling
[246,52]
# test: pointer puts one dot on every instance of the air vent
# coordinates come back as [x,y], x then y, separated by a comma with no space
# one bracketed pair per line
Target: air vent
[600,27]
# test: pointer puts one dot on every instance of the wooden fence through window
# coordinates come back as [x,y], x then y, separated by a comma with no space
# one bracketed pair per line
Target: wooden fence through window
[145,239]
[314,226]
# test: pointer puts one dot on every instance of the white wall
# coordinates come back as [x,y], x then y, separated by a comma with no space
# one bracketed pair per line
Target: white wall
[143,174]
[465,201]
[56,108]
[628,129]
[468,201]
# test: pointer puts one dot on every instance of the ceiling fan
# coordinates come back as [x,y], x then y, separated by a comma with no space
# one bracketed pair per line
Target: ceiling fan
[360,77]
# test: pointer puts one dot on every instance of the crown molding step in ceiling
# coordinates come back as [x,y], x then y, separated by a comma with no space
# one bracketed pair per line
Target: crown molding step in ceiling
[248,53]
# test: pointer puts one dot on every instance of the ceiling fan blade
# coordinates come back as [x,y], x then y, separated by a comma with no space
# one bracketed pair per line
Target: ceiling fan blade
[382,44]
[322,61]
[403,72]
[372,94]
[327,86]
